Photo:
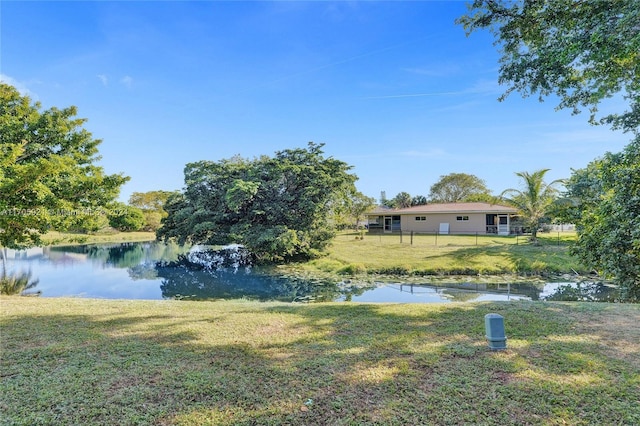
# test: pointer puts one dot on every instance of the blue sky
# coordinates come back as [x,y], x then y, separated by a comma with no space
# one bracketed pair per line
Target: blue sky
[394,89]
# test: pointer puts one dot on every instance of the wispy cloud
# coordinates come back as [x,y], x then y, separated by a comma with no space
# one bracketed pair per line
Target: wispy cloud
[485,87]
[414,95]
[21,87]
[434,71]
[345,60]
[127,81]
[480,87]
[103,79]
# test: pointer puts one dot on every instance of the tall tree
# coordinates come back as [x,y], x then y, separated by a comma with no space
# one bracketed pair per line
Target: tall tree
[47,171]
[278,207]
[419,200]
[348,211]
[401,200]
[533,201]
[457,187]
[605,206]
[581,51]
[152,205]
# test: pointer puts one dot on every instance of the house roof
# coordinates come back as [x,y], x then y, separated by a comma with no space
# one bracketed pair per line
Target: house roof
[448,208]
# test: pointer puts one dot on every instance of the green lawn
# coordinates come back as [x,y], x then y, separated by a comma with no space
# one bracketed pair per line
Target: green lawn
[105,362]
[447,254]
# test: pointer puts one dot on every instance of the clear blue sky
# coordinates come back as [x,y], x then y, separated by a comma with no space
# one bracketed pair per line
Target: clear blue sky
[394,89]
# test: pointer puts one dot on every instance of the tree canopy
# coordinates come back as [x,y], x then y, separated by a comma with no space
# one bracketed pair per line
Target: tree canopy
[278,207]
[152,205]
[419,200]
[457,187]
[125,218]
[349,211]
[604,203]
[581,51]
[584,52]
[401,200]
[48,175]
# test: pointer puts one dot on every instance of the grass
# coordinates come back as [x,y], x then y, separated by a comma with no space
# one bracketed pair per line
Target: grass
[103,362]
[447,255]
[64,238]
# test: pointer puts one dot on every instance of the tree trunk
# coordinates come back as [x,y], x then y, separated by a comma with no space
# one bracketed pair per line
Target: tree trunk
[534,234]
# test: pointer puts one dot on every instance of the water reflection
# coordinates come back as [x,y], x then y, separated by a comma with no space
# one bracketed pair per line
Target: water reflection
[451,292]
[124,255]
[152,271]
[194,284]
[583,292]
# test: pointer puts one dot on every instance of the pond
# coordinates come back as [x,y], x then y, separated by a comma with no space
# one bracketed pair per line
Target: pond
[150,271]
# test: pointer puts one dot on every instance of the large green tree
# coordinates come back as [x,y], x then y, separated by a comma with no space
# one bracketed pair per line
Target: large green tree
[581,51]
[125,218]
[152,205]
[279,207]
[603,201]
[349,211]
[534,200]
[457,187]
[48,175]
[401,200]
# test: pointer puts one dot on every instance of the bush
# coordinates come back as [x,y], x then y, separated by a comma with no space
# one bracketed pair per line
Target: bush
[12,284]
[353,269]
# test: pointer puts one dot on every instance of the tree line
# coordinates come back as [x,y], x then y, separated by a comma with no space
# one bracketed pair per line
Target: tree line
[451,188]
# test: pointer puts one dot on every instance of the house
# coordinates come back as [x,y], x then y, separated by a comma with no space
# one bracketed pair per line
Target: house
[445,218]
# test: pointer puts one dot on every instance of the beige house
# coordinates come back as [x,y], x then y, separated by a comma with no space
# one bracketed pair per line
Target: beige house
[445,218]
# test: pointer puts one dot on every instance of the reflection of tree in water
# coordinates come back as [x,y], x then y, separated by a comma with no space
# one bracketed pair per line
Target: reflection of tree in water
[154,253]
[193,284]
[460,295]
[585,292]
[225,273]
[466,292]
[122,255]
[140,258]
[143,271]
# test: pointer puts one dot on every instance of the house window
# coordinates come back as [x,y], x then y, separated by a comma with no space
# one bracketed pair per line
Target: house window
[421,218]
[459,218]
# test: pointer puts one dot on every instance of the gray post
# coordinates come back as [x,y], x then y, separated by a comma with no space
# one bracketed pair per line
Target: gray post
[494,326]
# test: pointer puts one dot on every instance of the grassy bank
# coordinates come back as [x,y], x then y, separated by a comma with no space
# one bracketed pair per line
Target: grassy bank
[447,255]
[81,361]
[64,238]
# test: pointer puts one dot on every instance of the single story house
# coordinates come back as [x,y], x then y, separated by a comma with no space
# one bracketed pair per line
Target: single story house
[445,218]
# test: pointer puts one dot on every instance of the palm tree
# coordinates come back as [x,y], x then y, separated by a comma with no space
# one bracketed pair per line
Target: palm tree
[402,200]
[17,283]
[534,201]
